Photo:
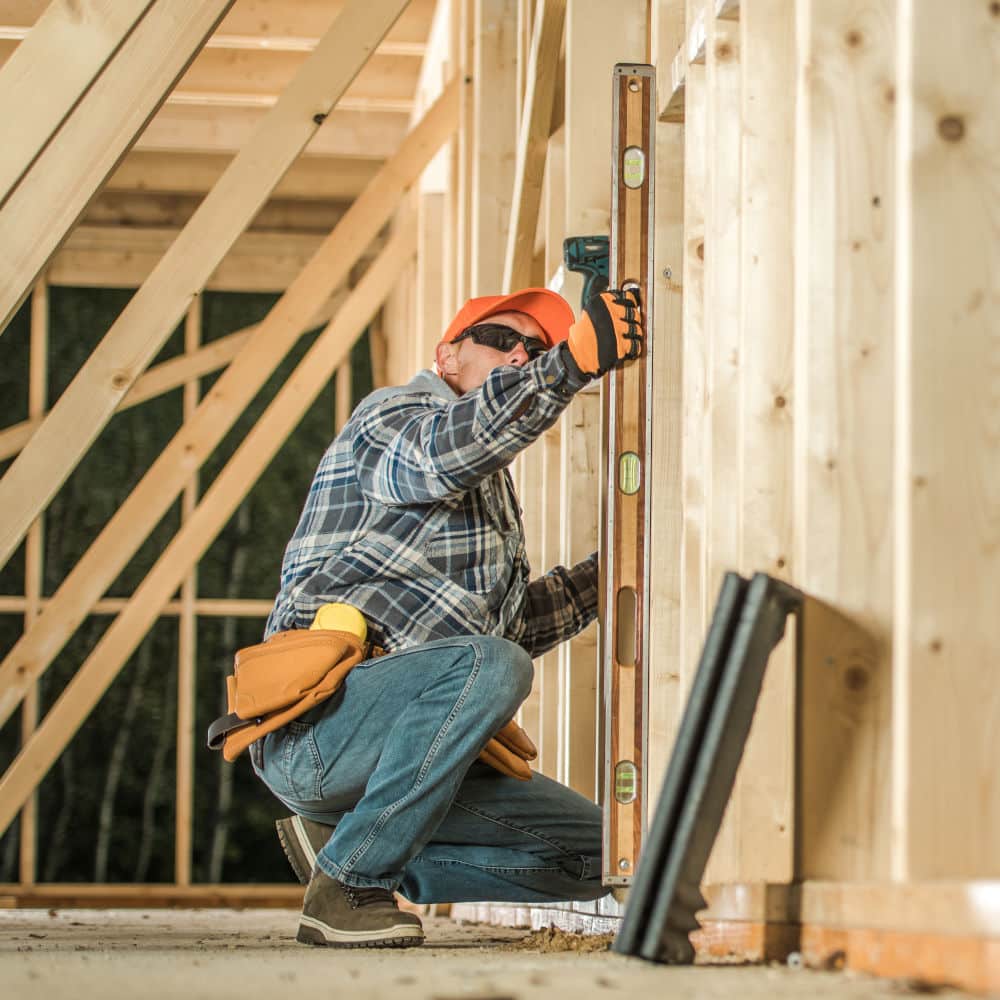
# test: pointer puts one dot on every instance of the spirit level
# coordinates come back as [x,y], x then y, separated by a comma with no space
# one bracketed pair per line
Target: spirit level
[625,522]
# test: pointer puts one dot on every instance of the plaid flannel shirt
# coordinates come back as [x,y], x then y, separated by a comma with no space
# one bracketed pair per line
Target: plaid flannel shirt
[412,517]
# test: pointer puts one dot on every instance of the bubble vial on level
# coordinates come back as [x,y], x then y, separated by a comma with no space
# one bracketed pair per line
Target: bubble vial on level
[625,782]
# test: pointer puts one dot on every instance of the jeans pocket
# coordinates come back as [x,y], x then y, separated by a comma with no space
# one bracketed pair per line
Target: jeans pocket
[300,763]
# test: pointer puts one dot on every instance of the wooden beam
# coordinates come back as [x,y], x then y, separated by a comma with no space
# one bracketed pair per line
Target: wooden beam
[119,256]
[47,202]
[532,142]
[78,698]
[946,645]
[264,73]
[309,177]
[204,607]
[271,340]
[153,312]
[44,79]
[267,23]
[180,128]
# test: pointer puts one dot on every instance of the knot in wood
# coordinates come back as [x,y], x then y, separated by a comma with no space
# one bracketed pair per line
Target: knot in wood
[951,128]
[854,39]
[319,118]
[119,380]
[856,679]
[779,402]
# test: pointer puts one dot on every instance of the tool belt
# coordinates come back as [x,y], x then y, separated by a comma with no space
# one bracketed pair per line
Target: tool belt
[291,672]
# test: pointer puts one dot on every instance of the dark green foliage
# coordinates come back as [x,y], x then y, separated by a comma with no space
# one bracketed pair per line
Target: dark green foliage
[134,725]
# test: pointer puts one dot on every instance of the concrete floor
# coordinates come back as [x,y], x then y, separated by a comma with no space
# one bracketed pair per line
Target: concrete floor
[217,954]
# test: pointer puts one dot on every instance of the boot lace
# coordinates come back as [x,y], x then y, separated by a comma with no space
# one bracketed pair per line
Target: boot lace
[369,896]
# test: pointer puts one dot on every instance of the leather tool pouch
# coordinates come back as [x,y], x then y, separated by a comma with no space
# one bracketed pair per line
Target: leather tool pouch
[280,679]
[509,752]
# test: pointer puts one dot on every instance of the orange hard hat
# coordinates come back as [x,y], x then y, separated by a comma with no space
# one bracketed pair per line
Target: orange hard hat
[551,311]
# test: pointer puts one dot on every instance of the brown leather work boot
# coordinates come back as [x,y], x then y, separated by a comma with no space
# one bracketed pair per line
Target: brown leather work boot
[343,916]
[301,839]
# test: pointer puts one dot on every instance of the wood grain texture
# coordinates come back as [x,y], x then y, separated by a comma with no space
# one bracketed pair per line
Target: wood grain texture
[947,639]
[844,370]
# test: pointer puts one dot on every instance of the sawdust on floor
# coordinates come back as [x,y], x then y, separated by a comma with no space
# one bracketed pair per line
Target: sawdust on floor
[550,939]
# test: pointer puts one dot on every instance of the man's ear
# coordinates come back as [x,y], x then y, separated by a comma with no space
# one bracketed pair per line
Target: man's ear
[445,356]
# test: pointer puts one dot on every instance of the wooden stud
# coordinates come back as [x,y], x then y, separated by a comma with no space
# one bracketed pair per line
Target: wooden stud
[598,35]
[665,494]
[46,203]
[342,397]
[763,809]
[723,359]
[187,642]
[694,589]
[494,141]
[331,349]
[529,492]
[547,668]
[42,81]
[532,142]
[946,642]
[844,365]
[271,340]
[577,659]
[666,35]
[153,312]
[34,565]
[429,317]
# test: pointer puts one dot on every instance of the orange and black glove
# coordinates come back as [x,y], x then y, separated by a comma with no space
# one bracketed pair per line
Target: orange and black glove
[608,333]
[509,752]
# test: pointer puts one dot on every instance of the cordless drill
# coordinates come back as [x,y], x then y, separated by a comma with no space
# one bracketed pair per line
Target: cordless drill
[588,255]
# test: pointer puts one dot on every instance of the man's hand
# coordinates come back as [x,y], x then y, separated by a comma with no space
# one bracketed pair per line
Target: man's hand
[608,333]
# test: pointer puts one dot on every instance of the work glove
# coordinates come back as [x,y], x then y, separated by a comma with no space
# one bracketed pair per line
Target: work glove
[509,751]
[607,333]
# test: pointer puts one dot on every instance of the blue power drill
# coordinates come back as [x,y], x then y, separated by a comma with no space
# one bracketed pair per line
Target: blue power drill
[588,255]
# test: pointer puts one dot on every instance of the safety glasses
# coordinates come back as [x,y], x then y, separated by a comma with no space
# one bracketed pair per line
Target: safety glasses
[502,338]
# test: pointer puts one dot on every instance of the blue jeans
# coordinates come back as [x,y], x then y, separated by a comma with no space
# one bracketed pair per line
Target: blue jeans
[391,761]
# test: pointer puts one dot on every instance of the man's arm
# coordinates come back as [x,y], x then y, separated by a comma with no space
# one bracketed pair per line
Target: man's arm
[558,606]
[419,449]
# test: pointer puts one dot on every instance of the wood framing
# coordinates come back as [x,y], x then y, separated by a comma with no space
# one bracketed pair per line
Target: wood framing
[100,668]
[494,140]
[532,142]
[763,799]
[271,340]
[46,203]
[946,799]
[34,100]
[151,315]
[844,390]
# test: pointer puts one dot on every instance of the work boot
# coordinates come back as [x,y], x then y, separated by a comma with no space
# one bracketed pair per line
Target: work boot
[343,916]
[301,840]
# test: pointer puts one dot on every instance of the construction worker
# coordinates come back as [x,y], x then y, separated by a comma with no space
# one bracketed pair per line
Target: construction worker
[412,519]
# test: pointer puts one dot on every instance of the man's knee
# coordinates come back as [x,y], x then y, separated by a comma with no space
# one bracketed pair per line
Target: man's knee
[506,667]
